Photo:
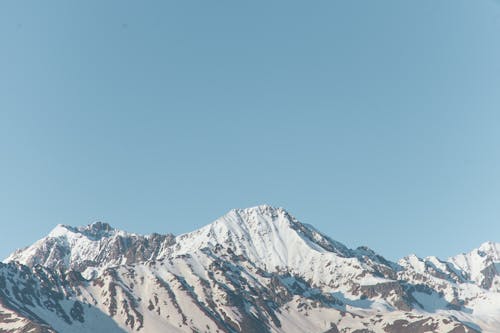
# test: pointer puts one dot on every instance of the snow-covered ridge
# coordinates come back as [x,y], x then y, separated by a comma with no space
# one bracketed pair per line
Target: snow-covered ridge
[260,232]
[269,237]
[252,270]
[254,231]
[94,231]
[89,249]
[481,265]
[274,240]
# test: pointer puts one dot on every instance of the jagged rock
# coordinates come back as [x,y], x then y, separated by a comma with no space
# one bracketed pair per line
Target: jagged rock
[253,270]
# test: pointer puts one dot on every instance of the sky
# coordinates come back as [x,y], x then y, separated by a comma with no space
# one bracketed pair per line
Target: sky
[378,122]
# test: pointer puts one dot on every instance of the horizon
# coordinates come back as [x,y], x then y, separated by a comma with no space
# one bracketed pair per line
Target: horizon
[377,123]
[395,260]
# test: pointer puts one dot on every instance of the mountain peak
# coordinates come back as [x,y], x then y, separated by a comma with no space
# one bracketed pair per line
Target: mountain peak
[491,248]
[247,259]
[98,229]
[90,248]
[98,225]
[264,209]
[94,230]
[265,235]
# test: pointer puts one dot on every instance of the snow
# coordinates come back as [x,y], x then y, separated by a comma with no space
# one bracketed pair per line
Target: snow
[248,240]
[268,237]
[474,262]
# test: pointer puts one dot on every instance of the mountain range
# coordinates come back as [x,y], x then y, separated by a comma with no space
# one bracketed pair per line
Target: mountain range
[253,270]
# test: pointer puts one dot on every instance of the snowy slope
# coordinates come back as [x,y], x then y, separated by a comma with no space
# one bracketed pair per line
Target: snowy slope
[275,241]
[481,265]
[252,270]
[90,248]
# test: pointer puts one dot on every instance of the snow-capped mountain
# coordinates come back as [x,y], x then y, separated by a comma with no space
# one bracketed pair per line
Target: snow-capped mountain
[90,248]
[481,265]
[252,270]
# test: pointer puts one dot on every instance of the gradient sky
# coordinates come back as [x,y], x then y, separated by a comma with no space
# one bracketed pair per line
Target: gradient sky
[376,121]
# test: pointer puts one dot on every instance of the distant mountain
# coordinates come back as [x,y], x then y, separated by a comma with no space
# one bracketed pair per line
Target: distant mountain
[90,249]
[252,270]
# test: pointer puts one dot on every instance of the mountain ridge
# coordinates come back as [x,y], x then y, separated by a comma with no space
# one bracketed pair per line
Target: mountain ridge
[257,268]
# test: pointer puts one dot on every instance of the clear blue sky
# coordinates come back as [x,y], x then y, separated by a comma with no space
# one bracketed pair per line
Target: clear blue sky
[376,121]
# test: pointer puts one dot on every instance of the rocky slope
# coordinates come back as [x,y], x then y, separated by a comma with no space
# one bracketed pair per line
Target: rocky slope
[252,270]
